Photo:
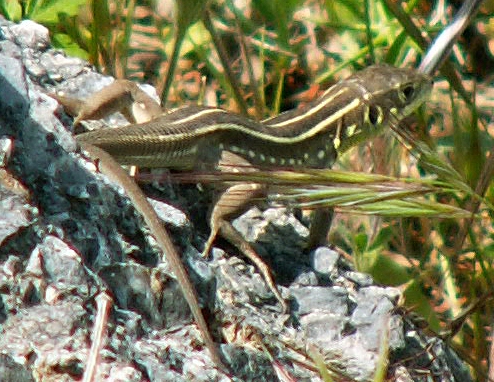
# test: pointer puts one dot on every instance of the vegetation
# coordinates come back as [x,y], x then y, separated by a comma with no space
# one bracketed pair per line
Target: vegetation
[261,57]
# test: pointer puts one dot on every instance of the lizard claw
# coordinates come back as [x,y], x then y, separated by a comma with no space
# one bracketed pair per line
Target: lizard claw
[209,242]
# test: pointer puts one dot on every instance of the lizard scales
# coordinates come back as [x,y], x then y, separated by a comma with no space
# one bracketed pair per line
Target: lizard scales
[349,112]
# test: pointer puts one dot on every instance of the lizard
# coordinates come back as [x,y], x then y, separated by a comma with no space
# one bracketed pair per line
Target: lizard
[197,137]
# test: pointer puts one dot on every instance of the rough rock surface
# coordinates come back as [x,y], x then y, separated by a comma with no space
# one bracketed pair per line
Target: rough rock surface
[66,235]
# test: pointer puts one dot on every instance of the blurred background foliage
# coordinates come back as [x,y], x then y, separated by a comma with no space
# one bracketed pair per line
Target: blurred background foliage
[261,57]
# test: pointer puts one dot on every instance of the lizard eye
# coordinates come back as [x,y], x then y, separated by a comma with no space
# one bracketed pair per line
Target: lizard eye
[408,91]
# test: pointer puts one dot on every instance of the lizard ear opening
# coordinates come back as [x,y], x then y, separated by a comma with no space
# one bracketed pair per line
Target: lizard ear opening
[375,115]
[408,92]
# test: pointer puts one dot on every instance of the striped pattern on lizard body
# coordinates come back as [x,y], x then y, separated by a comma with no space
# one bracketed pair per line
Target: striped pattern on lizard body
[349,112]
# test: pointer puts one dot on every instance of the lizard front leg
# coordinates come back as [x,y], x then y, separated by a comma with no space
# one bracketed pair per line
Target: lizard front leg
[231,204]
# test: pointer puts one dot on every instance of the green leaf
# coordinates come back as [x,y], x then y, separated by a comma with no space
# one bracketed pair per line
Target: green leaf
[361,242]
[187,13]
[345,13]
[382,238]
[101,18]
[396,47]
[421,304]
[387,271]
[46,12]
[65,42]
[278,14]
[11,9]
